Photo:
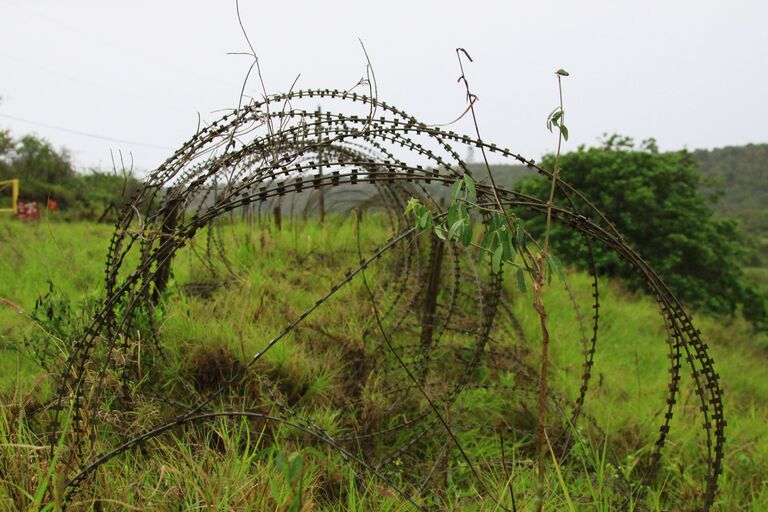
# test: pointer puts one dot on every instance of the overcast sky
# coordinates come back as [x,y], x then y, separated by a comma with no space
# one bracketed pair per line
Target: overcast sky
[689,73]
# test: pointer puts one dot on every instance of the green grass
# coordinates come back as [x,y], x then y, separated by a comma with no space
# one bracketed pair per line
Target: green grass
[238,465]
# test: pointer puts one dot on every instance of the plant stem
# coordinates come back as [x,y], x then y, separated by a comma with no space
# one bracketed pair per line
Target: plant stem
[538,305]
[471,98]
[556,170]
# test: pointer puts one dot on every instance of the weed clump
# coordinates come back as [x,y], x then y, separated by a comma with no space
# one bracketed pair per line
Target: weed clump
[211,366]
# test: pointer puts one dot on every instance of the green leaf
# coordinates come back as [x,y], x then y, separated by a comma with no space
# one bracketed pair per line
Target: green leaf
[487,240]
[549,118]
[428,221]
[520,234]
[464,212]
[456,190]
[496,259]
[506,242]
[564,131]
[471,190]
[562,72]
[411,206]
[520,280]
[455,229]
[466,234]
[440,232]
[555,266]
[425,219]
[453,214]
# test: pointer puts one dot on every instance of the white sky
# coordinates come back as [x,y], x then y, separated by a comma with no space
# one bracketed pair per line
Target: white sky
[689,73]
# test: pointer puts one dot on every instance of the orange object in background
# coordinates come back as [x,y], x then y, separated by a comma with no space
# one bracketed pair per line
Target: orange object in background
[28,210]
[53,205]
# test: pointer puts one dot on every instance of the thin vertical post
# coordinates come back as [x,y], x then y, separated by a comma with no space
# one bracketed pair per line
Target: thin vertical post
[319,138]
[278,217]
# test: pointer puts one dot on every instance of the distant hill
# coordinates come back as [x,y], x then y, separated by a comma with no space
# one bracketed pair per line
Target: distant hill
[737,174]
[504,174]
[740,173]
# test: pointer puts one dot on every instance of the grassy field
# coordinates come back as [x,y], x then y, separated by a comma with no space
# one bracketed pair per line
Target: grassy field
[210,327]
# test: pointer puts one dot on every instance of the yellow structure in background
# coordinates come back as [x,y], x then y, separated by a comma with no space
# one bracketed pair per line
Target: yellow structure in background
[14,184]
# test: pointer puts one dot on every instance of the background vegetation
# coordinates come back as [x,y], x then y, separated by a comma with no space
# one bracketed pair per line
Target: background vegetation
[698,217]
[46,172]
[657,202]
[51,276]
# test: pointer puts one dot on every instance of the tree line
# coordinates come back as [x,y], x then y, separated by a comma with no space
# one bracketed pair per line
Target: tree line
[46,173]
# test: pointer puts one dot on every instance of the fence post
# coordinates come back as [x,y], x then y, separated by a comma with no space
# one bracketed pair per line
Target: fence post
[319,137]
[433,287]
[278,217]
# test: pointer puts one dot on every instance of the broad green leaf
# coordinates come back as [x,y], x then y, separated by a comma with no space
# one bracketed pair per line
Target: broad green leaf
[453,214]
[564,131]
[456,190]
[555,266]
[425,219]
[487,240]
[466,234]
[520,234]
[455,229]
[470,186]
[464,212]
[506,242]
[549,118]
[496,259]
[520,280]
[562,72]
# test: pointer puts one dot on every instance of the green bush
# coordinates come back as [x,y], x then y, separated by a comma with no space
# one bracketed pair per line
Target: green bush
[656,202]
